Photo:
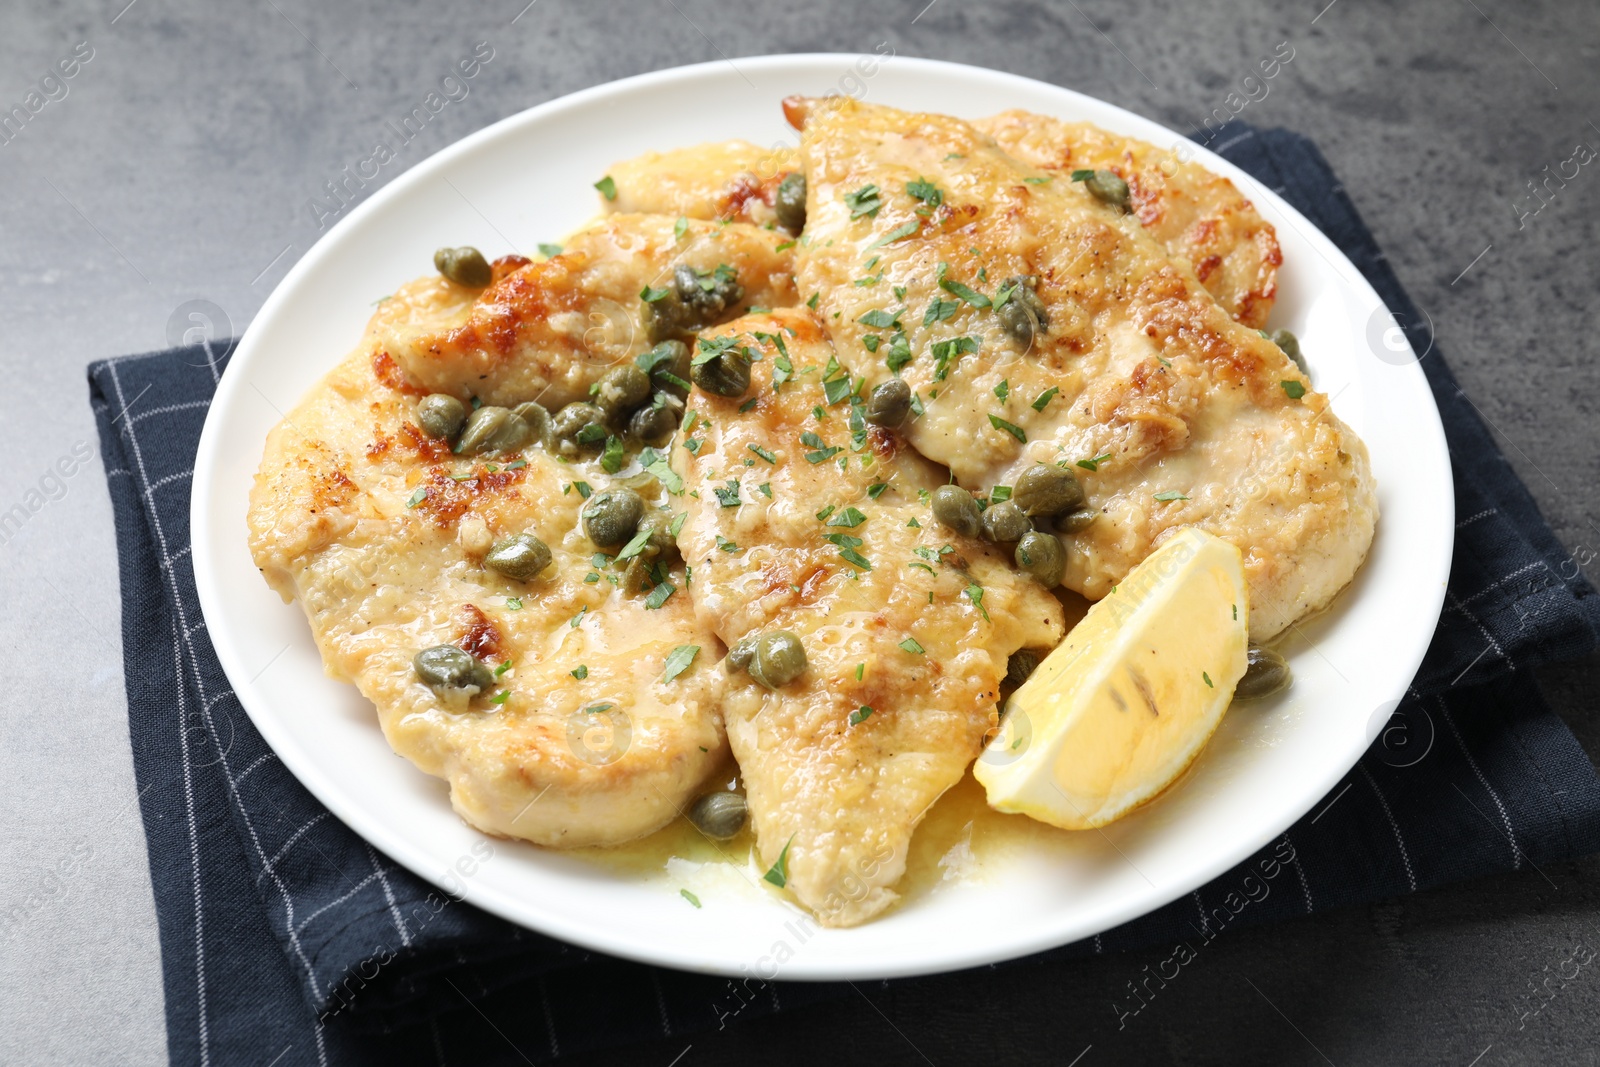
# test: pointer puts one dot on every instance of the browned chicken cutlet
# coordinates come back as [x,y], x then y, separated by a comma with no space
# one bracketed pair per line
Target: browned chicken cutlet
[1039,325]
[818,526]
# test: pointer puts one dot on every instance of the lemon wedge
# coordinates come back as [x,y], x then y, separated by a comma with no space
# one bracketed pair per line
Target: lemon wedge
[1116,713]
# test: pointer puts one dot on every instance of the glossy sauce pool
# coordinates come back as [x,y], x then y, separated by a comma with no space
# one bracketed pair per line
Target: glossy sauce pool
[961,840]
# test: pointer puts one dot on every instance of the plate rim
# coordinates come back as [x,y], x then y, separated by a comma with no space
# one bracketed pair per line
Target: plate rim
[409,854]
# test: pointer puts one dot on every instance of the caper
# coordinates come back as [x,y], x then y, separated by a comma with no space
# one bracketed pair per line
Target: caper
[954,507]
[1265,673]
[1023,315]
[720,815]
[707,296]
[889,403]
[1291,348]
[448,667]
[1075,520]
[522,557]
[464,266]
[726,374]
[612,518]
[441,415]
[740,655]
[622,388]
[665,362]
[1046,490]
[1022,664]
[578,426]
[656,421]
[538,420]
[790,203]
[1041,555]
[1004,523]
[664,317]
[779,659]
[1106,186]
[494,429]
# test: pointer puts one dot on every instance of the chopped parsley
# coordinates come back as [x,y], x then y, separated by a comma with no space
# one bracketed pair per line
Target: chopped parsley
[939,310]
[680,228]
[864,202]
[860,715]
[766,489]
[974,593]
[726,545]
[1170,494]
[1002,390]
[1207,678]
[875,490]
[905,229]
[607,187]
[970,295]
[663,473]
[576,619]
[1094,463]
[854,558]
[812,303]
[418,497]
[912,646]
[658,596]
[1042,401]
[784,247]
[1009,427]
[500,697]
[650,295]
[634,546]
[728,496]
[1040,181]
[506,666]
[765,453]
[821,450]
[849,518]
[580,672]
[879,319]
[678,661]
[514,603]
[690,897]
[778,873]
[924,190]
[1082,175]
[611,458]
[1293,389]
[549,250]
[825,512]
[999,493]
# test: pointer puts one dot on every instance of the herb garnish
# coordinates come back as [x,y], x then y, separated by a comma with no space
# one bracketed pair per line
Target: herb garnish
[778,873]
[607,187]
[678,661]
[1009,427]
[860,715]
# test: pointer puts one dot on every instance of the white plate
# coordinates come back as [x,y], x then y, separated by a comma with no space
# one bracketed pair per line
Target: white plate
[528,179]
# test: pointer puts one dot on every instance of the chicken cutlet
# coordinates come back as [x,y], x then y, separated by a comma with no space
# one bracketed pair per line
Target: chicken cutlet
[1037,324]
[805,518]
[735,181]
[546,330]
[1195,214]
[553,722]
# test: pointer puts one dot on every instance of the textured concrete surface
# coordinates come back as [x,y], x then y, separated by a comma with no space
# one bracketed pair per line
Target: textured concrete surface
[177,168]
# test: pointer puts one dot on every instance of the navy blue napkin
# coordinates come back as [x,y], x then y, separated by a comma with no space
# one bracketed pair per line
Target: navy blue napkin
[285,935]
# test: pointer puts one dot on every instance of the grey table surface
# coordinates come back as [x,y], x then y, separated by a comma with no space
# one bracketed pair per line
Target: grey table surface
[178,167]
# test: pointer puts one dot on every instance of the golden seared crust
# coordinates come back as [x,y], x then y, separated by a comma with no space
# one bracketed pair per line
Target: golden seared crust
[1154,384]
[1195,214]
[548,330]
[732,180]
[843,796]
[380,532]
